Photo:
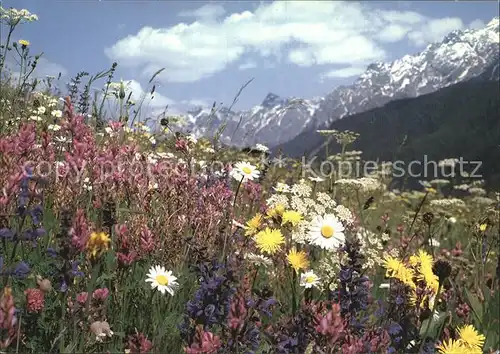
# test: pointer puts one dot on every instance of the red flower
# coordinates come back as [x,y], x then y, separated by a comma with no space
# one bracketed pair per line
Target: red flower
[8,318]
[181,145]
[147,241]
[139,344]
[82,297]
[205,343]
[34,300]
[331,325]
[100,294]
[80,231]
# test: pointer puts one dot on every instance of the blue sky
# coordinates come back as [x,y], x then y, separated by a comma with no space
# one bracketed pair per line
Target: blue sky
[209,49]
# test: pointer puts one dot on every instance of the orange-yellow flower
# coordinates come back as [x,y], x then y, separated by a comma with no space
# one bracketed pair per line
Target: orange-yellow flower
[98,243]
[298,260]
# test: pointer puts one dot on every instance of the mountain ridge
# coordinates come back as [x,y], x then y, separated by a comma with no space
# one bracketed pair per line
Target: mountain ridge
[460,120]
[461,55]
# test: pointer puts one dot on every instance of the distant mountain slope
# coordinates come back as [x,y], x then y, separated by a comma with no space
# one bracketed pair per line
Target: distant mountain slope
[461,55]
[462,120]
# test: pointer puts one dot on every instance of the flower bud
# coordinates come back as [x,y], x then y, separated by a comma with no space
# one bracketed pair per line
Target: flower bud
[44,284]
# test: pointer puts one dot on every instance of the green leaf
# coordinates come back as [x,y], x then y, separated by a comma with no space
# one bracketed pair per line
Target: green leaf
[475,305]
[434,327]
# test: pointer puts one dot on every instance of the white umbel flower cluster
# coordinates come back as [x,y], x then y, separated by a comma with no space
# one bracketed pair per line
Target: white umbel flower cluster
[12,17]
[448,203]
[299,197]
[365,184]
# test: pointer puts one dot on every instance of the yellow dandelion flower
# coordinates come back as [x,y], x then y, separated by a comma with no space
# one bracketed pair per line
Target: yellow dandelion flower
[24,42]
[470,337]
[98,243]
[483,227]
[396,269]
[451,347]
[291,216]
[253,225]
[430,279]
[298,260]
[423,262]
[392,266]
[421,258]
[278,210]
[412,299]
[269,240]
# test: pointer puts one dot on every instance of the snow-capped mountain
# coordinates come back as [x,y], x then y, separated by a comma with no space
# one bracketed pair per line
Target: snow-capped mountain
[460,56]
[275,120]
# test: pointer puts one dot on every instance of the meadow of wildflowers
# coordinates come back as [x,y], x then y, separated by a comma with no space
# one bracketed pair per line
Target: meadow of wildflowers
[119,237]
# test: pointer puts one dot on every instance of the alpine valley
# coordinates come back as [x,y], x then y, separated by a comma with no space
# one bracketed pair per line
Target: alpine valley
[291,122]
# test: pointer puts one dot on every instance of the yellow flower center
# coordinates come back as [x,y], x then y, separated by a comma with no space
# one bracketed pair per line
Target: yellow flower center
[327,231]
[162,280]
[247,170]
[310,279]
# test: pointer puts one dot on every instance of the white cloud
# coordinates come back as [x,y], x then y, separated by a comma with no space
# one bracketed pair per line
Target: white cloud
[301,57]
[152,105]
[434,30]
[306,33]
[476,24]
[197,102]
[137,92]
[343,73]
[154,100]
[46,67]
[393,33]
[206,12]
[249,64]
[43,69]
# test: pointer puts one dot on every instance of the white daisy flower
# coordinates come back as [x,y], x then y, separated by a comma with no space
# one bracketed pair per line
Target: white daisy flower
[246,171]
[326,232]
[162,279]
[309,279]
[35,118]
[41,110]
[452,220]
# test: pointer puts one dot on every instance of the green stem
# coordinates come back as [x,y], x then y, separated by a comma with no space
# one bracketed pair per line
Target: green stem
[7,42]
[234,204]
[430,318]
[21,73]
[294,292]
